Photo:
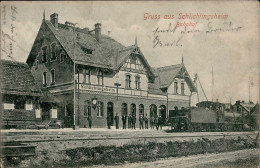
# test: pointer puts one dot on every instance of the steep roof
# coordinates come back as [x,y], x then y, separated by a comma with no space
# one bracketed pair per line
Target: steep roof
[104,51]
[164,77]
[16,78]
[167,74]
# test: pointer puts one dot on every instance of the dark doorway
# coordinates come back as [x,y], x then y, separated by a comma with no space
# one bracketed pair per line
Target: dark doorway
[110,111]
[133,110]
[69,116]
[153,110]
[46,110]
[163,112]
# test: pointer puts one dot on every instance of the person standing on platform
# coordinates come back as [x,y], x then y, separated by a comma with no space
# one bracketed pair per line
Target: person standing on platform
[90,121]
[156,123]
[160,122]
[133,121]
[141,121]
[146,121]
[129,122]
[108,121]
[124,118]
[152,122]
[117,121]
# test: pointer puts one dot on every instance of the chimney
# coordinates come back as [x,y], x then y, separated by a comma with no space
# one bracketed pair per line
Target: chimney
[98,31]
[54,19]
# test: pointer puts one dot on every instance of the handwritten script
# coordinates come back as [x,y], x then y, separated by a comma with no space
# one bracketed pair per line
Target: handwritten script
[9,38]
[177,34]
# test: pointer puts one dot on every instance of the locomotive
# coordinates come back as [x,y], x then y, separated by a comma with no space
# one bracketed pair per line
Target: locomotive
[207,116]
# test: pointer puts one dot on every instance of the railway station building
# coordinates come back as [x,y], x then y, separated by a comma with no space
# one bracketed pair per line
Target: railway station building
[92,74]
[23,102]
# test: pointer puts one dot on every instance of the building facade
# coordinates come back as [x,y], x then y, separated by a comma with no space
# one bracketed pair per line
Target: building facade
[23,102]
[93,75]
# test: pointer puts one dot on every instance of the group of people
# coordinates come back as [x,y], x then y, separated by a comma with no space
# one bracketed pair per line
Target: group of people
[155,122]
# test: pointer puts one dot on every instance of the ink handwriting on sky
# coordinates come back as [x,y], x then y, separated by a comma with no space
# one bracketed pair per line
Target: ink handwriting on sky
[176,34]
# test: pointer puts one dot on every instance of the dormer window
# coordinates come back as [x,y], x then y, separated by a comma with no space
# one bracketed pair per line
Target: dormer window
[44,54]
[86,50]
[53,51]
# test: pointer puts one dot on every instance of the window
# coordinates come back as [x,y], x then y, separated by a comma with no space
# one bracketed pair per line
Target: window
[8,99]
[44,54]
[62,56]
[19,103]
[87,108]
[100,109]
[182,88]
[86,74]
[124,109]
[141,109]
[44,81]
[36,64]
[137,82]
[53,51]
[128,81]
[53,77]
[100,77]
[175,87]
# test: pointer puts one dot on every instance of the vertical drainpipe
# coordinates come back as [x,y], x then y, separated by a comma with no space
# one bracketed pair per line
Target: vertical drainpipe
[167,108]
[78,95]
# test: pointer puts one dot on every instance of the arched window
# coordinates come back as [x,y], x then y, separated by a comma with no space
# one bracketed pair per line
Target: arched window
[87,108]
[153,110]
[124,109]
[133,110]
[100,108]
[141,109]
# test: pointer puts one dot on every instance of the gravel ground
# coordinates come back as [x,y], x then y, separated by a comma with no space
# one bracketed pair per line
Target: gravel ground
[248,158]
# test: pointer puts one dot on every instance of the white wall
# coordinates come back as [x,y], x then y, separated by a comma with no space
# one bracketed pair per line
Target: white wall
[120,76]
[186,88]
[8,106]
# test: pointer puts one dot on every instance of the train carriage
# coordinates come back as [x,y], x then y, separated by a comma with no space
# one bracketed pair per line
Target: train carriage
[207,116]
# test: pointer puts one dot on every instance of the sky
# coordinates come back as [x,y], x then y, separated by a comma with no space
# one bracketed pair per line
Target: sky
[226,62]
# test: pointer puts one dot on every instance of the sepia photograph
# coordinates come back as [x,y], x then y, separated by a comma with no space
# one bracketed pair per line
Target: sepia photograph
[172,84]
